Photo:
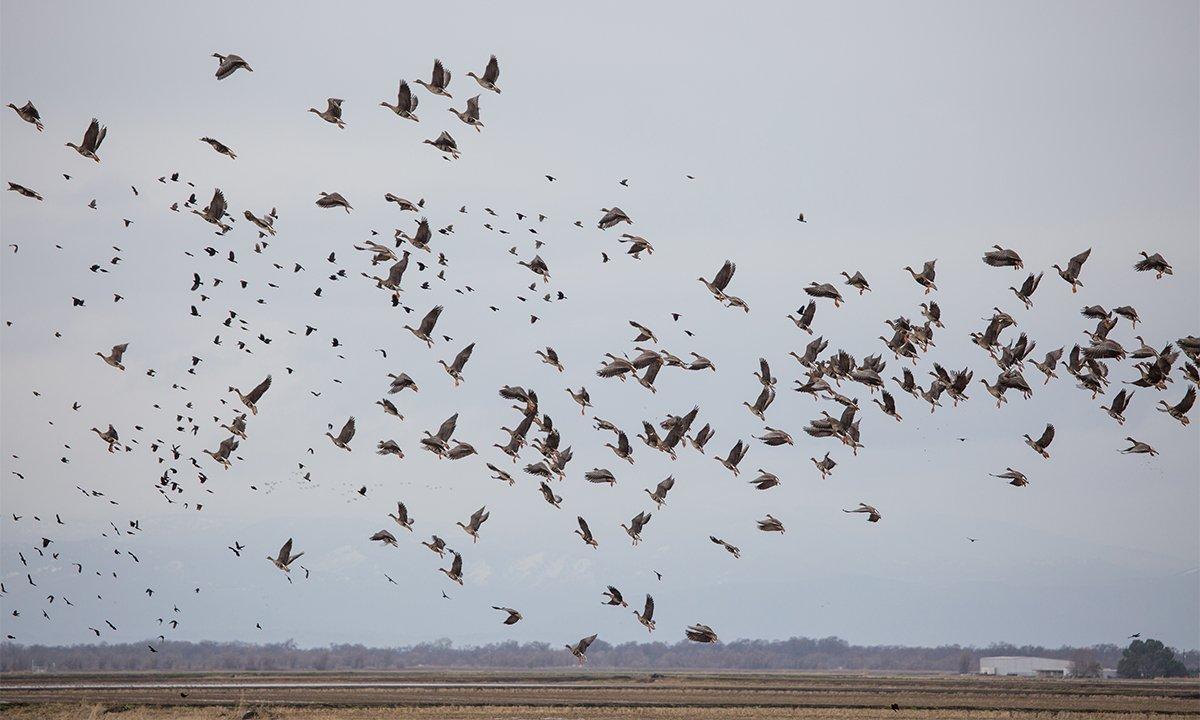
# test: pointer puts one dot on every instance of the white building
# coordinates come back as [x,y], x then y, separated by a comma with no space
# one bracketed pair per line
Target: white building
[1025,666]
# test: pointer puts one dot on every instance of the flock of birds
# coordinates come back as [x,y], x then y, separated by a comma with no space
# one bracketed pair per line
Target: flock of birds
[535,444]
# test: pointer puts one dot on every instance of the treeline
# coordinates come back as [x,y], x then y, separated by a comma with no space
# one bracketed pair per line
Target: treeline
[794,654]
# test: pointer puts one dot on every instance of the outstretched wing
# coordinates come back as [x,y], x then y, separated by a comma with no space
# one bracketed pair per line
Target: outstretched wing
[1189,399]
[347,431]
[441,78]
[257,392]
[430,320]
[1076,263]
[724,275]
[492,72]
[585,642]
[91,135]
[286,551]
[446,429]
[648,613]
[1047,437]
[583,526]
[460,360]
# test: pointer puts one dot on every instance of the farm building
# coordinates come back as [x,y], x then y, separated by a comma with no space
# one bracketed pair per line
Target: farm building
[1025,666]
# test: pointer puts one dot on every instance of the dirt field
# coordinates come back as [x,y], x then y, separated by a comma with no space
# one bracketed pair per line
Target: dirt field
[463,695]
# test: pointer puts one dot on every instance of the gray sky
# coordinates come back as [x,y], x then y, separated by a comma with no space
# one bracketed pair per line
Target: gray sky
[903,132]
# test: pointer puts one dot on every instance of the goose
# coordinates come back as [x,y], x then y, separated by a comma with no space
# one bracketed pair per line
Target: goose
[857,281]
[460,360]
[547,493]
[770,524]
[477,519]
[29,114]
[219,147]
[1129,313]
[238,426]
[701,634]
[445,142]
[888,406]
[406,103]
[385,537]
[1074,266]
[1138,448]
[221,454]
[228,64]
[455,571]
[24,191]
[700,362]
[804,316]
[1178,411]
[334,200]
[996,391]
[436,544]
[659,494]
[214,212]
[623,449]
[824,290]
[1001,257]
[614,597]
[266,223]
[389,447]
[538,266]
[585,532]
[501,475]
[389,408]
[926,277]
[775,438]
[114,356]
[1039,446]
[932,313]
[402,382]
[736,453]
[461,450]
[765,480]
[634,529]
[332,113]
[600,476]
[731,549]
[438,81]
[343,438]
[613,216]
[490,75]
[401,517]
[701,438]
[285,557]
[1049,364]
[513,618]
[1016,478]
[404,204]
[1154,263]
[550,357]
[579,649]
[92,138]
[250,399]
[872,514]
[765,398]
[1025,292]
[109,436]
[470,116]
[637,245]
[423,332]
[1116,409]
[420,239]
[825,465]
[646,616]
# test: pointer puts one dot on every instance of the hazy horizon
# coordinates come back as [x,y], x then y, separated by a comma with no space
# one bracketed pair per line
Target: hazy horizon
[903,132]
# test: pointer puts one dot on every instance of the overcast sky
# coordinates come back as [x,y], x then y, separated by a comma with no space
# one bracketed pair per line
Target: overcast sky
[903,132]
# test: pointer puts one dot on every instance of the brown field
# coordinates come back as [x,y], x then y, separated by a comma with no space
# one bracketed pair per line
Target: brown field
[475,695]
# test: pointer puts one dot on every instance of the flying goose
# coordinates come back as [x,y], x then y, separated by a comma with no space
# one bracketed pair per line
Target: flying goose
[1074,266]
[1154,263]
[637,245]
[389,447]
[386,538]
[872,514]
[888,405]
[550,357]
[1138,448]
[423,332]
[646,617]
[614,597]
[114,356]
[613,216]
[438,81]
[238,426]
[765,480]
[926,277]
[585,532]
[285,557]
[501,475]
[513,618]
[92,138]
[775,438]
[460,360]
[1025,292]
[406,103]
[470,116]
[436,544]
[490,75]
[732,550]
[600,476]
[332,113]
[825,465]
[477,519]
[770,524]
[634,529]
[343,438]
[1178,411]
[804,316]
[824,290]
[455,571]
[109,436]
[857,282]
[223,451]
[214,212]
[334,200]
[29,114]
[220,147]
[701,634]
[659,494]
[623,449]
[1116,409]
[579,649]
[1002,257]
[402,382]
[24,191]
[401,517]
[1039,446]
[445,143]
[389,408]
[250,399]
[736,453]
[1015,478]
[765,398]
[228,64]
